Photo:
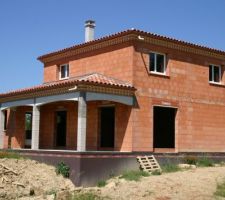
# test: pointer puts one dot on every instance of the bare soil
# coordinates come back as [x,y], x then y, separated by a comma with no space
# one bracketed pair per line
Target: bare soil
[31,180]
[193,184]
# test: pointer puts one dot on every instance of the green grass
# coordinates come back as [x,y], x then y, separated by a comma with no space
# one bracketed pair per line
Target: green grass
[220,190]
[205,162]
[191,160]
[156,173]
[101,183]
[169,167]
[10,155]
[85,196]
[134,175]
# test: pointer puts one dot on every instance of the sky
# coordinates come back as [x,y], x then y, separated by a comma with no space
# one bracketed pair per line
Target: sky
[30,28]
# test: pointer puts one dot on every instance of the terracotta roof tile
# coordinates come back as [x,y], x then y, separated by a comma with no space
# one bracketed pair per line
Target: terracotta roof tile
[132,31]
[94,78]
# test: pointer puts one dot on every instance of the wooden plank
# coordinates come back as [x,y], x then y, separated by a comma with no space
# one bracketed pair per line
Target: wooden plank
[148,163]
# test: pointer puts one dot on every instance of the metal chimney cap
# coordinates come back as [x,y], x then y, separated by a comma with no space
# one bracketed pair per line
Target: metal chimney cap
[90,23]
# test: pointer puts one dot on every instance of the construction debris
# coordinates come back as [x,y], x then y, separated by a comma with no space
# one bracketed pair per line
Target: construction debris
[26,178]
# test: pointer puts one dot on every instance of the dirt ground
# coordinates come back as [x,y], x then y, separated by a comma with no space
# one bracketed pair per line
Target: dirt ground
[194,184]
[30,180]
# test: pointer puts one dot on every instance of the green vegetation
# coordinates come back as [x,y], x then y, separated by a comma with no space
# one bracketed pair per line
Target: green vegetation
[191,160]
[63,169]
[134,175]
[10,155]
[101,183]
[85,196]
[205,162]
[170,167]
[156,172]
[220,190]
[52,192]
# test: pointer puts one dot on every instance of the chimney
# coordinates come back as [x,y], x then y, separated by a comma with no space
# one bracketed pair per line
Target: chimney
[89,30]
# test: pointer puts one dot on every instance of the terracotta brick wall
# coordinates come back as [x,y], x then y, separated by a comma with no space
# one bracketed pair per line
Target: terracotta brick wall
[201,106]
[15,133]
[112,62]
[123,126]
[50,73]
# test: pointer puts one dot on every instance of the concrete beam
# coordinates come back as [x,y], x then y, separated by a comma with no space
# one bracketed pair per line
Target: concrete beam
[35,127]
[127,100]
[73,96]
[82,122]
[25,102]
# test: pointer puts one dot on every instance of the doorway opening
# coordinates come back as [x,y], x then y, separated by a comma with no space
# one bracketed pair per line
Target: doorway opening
[61,119]
[107,127]
[28,129]
[164,127]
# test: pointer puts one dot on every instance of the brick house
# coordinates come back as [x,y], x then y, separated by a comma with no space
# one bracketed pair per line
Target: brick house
[132,91]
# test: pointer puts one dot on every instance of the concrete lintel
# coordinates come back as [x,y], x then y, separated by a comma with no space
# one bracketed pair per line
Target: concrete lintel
[40,100]
[60,97]
[25,102]
[127,100]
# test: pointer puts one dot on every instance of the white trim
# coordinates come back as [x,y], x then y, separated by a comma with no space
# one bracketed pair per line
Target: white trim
[66,72]
[155,65]
[220,78]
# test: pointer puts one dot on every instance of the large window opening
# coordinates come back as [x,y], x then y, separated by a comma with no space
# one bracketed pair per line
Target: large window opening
[28,129]
[164,127]
[5,118]
[107,127]
[61,119]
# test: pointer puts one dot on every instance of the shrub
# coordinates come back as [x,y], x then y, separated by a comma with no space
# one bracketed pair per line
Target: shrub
[220,190]
[169,167]
[63,169]
[101,183]
[156,172]
[10,155]
[205,162]
[134,175]
[191,160]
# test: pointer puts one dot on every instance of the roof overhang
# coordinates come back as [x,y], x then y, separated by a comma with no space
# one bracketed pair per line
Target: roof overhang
[131,37]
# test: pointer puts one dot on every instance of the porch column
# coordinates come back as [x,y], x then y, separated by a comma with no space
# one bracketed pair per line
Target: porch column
[81,126]
[35,127]
[2,121]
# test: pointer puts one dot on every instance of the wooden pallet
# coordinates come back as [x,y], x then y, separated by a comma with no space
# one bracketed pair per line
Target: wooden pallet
[148,163]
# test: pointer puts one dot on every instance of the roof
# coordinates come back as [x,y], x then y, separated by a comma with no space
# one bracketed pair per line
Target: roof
[94,78]
[130,32]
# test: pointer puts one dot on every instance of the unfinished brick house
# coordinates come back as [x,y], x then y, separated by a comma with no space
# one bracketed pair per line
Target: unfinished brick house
[132,91]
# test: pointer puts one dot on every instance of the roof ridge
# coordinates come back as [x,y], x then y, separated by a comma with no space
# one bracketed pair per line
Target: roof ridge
[135,31]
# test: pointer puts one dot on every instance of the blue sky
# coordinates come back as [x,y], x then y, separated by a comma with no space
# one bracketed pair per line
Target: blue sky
[30,28]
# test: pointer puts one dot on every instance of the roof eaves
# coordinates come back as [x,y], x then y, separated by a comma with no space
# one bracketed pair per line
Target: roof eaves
[127,32]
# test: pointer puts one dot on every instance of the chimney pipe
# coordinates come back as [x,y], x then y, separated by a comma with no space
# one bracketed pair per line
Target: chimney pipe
[89,30]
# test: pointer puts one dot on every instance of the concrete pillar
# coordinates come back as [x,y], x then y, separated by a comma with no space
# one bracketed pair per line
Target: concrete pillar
[35,127]
[82,122]
[2,122]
